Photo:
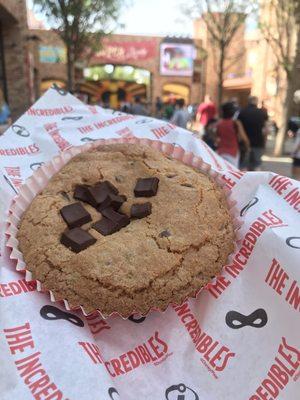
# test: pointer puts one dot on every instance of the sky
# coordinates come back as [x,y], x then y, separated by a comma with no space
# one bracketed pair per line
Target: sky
[151,17]
[154,17]
[159,17]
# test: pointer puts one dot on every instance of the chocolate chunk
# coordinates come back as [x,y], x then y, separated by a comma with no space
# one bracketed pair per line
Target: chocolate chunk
[164,233]
[80,193]
[77,239]
[98,193]
[112,200]
[121,219]
[109,187]
[146,187]
[75,215]
[140,210]
[106,226]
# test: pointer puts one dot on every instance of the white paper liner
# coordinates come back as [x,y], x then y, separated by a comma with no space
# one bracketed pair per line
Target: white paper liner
[40,178]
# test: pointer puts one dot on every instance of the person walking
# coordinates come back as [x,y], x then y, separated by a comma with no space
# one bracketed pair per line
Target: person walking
[181,115]
[206,111]
[210,134]
[138,108]
[230,133]
[158,107]
[5,116]
[254,121]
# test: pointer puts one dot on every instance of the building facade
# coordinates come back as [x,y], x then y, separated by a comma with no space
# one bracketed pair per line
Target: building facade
[126,65]
[251,68]
[15,61]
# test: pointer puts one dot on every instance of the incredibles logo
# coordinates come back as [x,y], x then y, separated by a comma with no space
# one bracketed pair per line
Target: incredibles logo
[36,165]
[249,205]
[113,393]
[143,121]
[236,320]
[181,392]
[87,139]
[293,241]
[20,130]
[136,319]
[78,118]
[52,313]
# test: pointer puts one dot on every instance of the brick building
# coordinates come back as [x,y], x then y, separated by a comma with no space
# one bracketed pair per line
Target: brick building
[15,71]
[237,82]
[120,53]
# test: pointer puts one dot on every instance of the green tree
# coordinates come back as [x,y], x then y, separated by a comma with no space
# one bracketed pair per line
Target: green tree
[282,32]
[222,18]
[81,24]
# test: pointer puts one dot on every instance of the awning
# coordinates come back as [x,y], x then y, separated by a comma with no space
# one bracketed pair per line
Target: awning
[244,82]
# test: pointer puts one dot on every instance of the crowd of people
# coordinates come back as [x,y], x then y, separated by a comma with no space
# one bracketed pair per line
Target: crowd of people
[239,135]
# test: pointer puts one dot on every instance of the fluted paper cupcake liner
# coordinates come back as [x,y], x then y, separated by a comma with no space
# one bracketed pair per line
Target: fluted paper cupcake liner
[40,178]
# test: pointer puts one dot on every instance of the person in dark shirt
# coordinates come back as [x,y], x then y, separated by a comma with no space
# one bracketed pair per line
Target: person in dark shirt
[138,108]
[254,120]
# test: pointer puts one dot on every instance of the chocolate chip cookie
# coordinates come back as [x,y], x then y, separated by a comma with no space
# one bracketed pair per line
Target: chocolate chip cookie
[158,234]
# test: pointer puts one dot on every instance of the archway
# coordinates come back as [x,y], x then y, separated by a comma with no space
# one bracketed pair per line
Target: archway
[114,85]
[49,82]
[177,91]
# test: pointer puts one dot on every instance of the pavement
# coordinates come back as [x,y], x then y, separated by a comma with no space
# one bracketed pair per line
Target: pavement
[280,165]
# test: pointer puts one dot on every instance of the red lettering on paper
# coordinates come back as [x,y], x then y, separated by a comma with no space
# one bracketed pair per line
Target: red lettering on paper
[20,151]
[30,368]
[284,367]
[213,352]
[93,352]
[19,338]
[16,287]
[86,129]
[286,188]
[218,286]
[96,323]
[125,133]
[113,121]
[240,260]
[278,280]
[92,109]
[53,131]
[163,130]
[154,350]
[45,112]
[14,174]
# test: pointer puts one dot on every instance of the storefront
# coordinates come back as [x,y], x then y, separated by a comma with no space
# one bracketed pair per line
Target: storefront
[126,66]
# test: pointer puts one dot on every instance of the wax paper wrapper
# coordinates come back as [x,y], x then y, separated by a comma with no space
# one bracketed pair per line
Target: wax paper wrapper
[40,178]
[239,339]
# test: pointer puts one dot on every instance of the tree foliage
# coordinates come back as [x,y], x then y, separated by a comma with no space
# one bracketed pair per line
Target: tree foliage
[280,30]
[282,33]
[222,18]
[81,24]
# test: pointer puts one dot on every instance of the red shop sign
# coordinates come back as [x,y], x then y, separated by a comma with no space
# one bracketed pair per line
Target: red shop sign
[119,51]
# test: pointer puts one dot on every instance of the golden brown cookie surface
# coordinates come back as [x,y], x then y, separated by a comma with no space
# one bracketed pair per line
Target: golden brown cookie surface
[151,262]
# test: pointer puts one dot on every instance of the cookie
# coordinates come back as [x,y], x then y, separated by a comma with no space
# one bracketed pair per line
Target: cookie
[161,256]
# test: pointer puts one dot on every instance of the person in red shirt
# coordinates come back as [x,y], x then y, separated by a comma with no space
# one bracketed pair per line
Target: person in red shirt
[230,133]
[206,111]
